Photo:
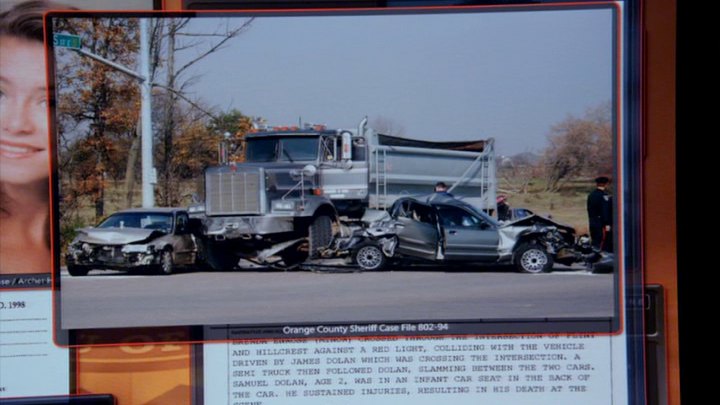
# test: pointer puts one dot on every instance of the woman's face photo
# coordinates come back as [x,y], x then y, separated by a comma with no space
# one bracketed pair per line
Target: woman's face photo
[23,115]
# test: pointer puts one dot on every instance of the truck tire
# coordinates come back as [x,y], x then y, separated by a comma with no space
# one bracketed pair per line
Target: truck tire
[369,257]
[531,257]
[319,235]
[218,256]
[77,270]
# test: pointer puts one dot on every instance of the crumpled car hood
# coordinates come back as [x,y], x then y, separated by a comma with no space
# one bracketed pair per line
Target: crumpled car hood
[116,236]
[536,220]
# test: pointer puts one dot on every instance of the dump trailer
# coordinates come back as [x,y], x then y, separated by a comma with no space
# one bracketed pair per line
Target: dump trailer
[297,187]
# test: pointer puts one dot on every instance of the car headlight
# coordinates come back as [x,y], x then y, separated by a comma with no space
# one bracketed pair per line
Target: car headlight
[283,205]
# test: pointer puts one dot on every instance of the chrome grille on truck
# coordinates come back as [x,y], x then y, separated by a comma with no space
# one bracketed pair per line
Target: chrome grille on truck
[233,192]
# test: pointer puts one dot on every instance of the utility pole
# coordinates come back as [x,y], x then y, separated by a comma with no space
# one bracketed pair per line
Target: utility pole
[148,193]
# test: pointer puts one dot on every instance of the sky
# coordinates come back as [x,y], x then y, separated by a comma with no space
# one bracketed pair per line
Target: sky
[505,75]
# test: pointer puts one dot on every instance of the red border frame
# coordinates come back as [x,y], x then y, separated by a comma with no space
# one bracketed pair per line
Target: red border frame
[619,122]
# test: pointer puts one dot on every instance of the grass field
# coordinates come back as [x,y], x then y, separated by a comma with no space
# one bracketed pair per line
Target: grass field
[567,206]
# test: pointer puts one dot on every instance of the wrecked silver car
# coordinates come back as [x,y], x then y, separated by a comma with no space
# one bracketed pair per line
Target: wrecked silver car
[451,231]
[156,238]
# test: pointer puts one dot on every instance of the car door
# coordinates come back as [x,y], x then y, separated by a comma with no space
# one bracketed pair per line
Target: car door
[467,236]
[418,232]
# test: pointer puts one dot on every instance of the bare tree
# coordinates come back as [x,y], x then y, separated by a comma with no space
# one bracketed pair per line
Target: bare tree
[171,38]
[517,172]
[579,146]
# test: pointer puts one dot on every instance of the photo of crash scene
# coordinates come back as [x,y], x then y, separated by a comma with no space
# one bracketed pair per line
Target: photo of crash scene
[284,162]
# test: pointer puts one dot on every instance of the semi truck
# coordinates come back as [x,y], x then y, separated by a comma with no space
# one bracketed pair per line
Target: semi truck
[298,188]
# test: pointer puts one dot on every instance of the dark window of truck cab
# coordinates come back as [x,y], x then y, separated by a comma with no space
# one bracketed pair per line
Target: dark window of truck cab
[299,149]
[261,150]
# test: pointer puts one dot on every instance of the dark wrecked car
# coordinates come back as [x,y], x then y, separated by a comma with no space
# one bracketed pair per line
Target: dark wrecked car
[155,238]
[451,231]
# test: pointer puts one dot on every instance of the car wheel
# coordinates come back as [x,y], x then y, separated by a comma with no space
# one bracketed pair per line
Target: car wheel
[369,257]
[76,270]
[319,235]
[166,262]
[533,258]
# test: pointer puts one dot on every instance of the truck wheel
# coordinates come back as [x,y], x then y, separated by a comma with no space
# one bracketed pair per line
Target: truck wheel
[532,258]
[369,257]
[219,256]
[77,270]
[166,262]
[319,235]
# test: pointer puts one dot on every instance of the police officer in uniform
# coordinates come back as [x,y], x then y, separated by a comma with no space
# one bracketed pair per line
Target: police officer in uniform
[599,208]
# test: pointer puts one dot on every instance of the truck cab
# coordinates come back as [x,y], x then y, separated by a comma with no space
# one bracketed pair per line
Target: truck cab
[339,158]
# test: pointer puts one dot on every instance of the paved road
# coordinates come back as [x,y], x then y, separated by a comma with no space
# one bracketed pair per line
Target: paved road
[116,299]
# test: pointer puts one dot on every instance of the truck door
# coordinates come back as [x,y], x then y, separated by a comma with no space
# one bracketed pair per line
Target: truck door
[418,233]
[342,178]
[468,237]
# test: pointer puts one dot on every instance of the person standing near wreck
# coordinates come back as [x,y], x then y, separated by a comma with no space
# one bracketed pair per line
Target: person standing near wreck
[503,208]
[440,193]
[599,208]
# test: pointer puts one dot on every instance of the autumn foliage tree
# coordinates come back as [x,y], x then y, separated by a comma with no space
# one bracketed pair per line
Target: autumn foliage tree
[198,144]
[234,125]
[579,146]
[97,105]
